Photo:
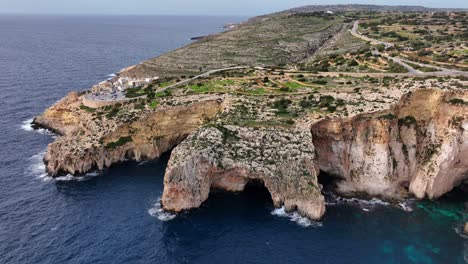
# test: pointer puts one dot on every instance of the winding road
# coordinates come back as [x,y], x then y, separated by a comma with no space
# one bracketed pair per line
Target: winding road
[206,74]
[404,62]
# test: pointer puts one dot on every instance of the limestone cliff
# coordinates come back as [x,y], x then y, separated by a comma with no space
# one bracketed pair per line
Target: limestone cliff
[84,146]
[407,139]
[419,145]
[228,157]
[61,118]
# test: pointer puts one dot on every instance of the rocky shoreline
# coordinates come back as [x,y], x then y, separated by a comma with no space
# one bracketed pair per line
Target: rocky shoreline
[416,148]
[282,100]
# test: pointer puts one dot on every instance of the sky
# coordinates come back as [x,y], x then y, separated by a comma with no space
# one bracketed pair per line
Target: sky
[190,7]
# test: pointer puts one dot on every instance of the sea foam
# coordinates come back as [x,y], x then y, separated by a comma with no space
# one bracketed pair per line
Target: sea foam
[37,167]
[84,177]
[366,205]
[158,212]
[26,125]
[295,217]
[406,206]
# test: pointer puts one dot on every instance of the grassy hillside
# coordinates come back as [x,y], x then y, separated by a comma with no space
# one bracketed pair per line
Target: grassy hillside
[273,40]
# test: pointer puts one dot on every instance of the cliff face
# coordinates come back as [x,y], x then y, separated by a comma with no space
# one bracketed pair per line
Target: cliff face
[61,118]
[142,139]
[228,157]
[420,145]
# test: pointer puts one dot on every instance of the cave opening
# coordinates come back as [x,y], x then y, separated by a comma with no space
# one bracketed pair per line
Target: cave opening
[328,181]
[257,188]
[458,194]
[253,198]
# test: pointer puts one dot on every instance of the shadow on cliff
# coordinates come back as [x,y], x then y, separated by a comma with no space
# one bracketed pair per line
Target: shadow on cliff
[328,181]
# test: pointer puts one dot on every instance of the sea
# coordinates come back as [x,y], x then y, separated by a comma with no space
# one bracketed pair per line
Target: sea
[115,216]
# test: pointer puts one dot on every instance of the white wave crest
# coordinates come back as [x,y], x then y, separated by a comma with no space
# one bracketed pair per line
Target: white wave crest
[460,231]
[26,125]
[295,217]
[406,206]
[158,212]
[37,167]
[70,177]
[365,205]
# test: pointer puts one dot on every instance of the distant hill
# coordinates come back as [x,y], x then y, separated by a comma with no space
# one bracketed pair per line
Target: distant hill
[376,8]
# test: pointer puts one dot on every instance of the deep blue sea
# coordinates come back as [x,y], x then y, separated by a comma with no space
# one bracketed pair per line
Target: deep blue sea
[115,218]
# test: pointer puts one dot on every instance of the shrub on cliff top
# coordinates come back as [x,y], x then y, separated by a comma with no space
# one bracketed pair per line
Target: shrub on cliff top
[387,117]
[122,141]
[87,109]
[282,105]
[457,101]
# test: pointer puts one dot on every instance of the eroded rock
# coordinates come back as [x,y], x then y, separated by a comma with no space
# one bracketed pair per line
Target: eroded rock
[228,157]
[421,144]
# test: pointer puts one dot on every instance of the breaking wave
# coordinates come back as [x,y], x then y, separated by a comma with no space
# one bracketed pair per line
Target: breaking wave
[460,231]
[37,167]
[85,177]
[26,125]
[158,212]
[406,205]
[295,217]
[368,205]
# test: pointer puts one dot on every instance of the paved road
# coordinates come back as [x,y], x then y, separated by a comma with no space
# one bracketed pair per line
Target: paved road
[206,74]
[120,96]
[371,40]
[404,62]
[410,69]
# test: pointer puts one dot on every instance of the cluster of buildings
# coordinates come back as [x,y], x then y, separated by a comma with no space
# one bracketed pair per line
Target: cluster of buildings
[120,84]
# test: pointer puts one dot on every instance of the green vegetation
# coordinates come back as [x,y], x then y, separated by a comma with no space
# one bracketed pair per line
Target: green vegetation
[87,109]
[122,141]
[211,86]
[395,67]
[136,92]
[420,68]
[292,85]
[387,117]
[320,82]
[458,101]
[154,104]
[273,40]
[228,135]
[282,106]
[256,91]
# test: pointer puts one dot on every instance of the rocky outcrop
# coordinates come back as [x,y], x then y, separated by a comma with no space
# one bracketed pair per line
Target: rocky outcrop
[143,139]
[61,117]
[228,157]
[421,145]
[417,147]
